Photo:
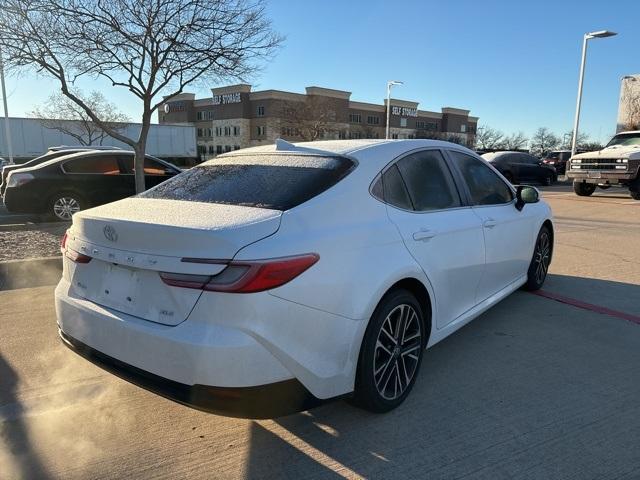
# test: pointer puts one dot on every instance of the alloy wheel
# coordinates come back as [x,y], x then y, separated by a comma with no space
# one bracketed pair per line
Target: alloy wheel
[397,352]
[65,207]
[542,257]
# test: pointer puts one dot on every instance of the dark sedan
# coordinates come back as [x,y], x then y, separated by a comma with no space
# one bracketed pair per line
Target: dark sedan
[59,188]
[55,152]
[519,167]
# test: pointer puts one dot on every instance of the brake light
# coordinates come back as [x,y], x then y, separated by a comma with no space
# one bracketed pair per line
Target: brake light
[246,276]
[63,242]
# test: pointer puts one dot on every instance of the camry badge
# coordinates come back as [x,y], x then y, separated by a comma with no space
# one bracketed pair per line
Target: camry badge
[110,233]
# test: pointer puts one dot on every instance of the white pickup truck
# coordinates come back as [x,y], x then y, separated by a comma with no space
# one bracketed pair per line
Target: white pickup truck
[616,164]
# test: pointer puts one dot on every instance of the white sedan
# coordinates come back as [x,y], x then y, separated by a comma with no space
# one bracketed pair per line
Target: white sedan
[266,279]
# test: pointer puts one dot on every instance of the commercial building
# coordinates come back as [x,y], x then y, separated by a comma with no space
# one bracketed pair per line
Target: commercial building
[235,117]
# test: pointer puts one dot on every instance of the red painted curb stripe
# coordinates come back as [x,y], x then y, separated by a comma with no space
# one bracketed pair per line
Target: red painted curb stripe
[588,306]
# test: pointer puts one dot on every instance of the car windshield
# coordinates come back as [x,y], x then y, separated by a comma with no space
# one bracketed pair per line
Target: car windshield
[277,182]
[625,139]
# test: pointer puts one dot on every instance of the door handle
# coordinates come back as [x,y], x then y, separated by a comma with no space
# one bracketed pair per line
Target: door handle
[424,235]
[489,223]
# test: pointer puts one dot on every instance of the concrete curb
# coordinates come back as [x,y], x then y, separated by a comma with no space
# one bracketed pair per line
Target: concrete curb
[33,272]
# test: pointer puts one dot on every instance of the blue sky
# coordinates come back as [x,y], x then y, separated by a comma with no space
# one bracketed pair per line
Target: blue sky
[514,64]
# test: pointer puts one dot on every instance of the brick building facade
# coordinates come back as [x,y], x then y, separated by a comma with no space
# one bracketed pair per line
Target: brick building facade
[234,117]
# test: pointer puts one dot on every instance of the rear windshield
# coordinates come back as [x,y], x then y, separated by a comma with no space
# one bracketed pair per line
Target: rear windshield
[277,182]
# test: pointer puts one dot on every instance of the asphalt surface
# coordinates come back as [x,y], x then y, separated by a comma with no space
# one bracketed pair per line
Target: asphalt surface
[534,388]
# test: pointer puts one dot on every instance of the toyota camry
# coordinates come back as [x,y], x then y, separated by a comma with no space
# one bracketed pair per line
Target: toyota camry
[267,279]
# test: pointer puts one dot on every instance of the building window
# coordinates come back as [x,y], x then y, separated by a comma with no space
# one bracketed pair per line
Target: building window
[411,136]
[236,147]
[403,122]
[202,149]
[355,118]
[394,136]
[199,116]
[236,131]
[218,131]
[420,124]
[356,135]
[373,120]
[432,126]
[342,135]
[211,149]
[227,148]
[209,132]
[218,149]
[260,111]
[261,130]
[199,132]
[463,128]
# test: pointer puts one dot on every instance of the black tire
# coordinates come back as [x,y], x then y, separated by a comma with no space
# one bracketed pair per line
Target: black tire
[583,189]
[380,357]
[635,195]
[539,266]
[63,205]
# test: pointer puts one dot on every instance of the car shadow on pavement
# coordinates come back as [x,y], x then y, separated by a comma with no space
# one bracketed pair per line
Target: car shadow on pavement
[526,389]
[17,456]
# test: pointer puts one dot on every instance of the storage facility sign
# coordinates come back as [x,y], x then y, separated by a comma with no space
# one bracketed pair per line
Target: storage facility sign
[404,111]
[226,98]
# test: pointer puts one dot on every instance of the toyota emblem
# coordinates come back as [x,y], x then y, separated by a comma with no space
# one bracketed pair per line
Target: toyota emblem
[110,233]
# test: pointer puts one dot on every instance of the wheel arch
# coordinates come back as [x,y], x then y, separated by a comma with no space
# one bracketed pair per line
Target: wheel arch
[549,224]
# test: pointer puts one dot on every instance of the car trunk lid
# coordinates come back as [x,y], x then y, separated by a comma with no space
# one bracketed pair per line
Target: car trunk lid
[131,241]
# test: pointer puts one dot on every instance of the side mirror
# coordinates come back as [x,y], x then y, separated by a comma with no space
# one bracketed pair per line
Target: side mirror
[526,194]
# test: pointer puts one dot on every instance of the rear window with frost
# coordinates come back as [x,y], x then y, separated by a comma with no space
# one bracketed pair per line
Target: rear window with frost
[277,182]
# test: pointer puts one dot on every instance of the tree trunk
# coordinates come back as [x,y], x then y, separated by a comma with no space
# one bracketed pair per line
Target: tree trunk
[138,166]
[140,149]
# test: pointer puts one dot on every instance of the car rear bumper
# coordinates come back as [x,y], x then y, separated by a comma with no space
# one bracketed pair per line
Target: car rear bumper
[262,401]
[22,200]
[228,341]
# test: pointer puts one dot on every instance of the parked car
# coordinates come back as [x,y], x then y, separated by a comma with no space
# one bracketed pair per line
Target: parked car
[254,282]
[65,185]
[53,152]
[519,167]
[558,160]
[617,164]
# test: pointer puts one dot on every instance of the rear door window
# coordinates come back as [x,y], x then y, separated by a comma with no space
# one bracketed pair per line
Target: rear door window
[102,165]
[276,181]
[428,180]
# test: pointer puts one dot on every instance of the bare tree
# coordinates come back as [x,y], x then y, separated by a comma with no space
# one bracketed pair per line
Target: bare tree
[152,48]
[309,118]
[515,141]
[543,141]
[61,114]
[488,138]
[567,138]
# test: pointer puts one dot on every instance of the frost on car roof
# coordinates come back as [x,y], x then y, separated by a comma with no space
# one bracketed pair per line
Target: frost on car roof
[273,181]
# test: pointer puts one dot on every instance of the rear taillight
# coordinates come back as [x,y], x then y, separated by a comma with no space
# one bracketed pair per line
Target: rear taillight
[63,242]
[245,277]
[72,254]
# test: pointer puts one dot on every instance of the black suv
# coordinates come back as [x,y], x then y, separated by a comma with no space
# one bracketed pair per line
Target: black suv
[519,167]
[60,187]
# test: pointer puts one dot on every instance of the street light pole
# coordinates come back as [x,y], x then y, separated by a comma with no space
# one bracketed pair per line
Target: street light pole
[7,129]
[576,121]
[390,84]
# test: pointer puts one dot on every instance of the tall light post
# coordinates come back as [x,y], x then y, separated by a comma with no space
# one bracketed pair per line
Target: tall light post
[390,84]
[7,130]
[587,37]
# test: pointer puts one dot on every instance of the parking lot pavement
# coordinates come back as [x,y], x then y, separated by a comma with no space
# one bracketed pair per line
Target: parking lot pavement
[534,388]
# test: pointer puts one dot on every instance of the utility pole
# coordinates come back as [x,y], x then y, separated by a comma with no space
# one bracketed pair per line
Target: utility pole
[7,128]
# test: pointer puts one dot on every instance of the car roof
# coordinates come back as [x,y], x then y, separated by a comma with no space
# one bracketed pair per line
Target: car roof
[85,154]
